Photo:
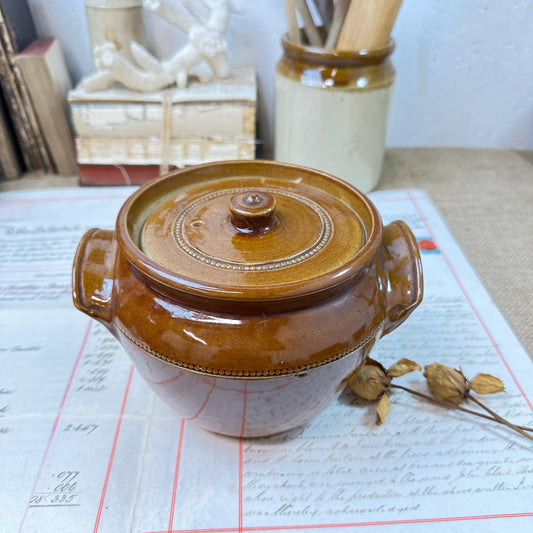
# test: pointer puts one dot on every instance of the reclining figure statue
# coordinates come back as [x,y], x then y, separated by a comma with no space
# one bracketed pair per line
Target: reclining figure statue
[205,42]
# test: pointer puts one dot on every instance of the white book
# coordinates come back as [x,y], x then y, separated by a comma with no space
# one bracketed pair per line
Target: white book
[46,76]
[121,126]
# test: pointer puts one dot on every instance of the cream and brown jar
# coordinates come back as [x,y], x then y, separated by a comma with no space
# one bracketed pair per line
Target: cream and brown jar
[247,293]
[119,22]
[331,110]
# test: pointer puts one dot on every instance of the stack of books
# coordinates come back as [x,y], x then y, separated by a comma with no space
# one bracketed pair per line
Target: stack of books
[35,132]
[22,144]
[127,137]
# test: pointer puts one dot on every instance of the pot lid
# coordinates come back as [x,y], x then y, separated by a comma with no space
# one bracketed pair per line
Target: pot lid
[248,231]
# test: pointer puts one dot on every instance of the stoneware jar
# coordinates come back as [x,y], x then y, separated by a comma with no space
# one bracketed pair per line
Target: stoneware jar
[119,22]
[248,292]
[331,110]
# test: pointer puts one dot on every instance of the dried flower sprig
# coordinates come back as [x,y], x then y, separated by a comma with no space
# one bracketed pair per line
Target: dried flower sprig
[449,387]
[373,382]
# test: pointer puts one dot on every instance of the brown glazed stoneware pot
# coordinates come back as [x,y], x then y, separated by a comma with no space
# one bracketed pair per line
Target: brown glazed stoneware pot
[248,292]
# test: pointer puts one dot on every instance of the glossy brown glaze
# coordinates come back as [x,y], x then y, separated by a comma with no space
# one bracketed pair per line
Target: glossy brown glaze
[316,67]
[256,350]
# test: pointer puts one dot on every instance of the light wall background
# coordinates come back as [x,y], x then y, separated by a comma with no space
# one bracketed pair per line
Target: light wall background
[464,67]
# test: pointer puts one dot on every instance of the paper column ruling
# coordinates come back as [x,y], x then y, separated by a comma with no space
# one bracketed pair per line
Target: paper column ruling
[85,445]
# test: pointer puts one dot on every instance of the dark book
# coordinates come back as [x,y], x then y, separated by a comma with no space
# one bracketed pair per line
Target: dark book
[18,103]
[10,167]
[118,174]
[19,15]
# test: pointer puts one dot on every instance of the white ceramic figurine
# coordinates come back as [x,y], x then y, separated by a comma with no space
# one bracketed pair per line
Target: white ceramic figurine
[147,73]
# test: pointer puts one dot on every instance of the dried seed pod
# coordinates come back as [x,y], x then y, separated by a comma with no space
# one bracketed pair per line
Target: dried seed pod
[446,383]
[402,367]
[369,381]
[383,409]
[486,384]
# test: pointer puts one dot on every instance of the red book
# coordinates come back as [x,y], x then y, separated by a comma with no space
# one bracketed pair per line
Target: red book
[118,174]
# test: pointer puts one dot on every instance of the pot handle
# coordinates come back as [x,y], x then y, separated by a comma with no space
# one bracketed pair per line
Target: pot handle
[401,262]
[93,273]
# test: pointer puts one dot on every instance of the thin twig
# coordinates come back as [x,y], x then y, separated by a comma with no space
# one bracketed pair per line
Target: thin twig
[494,417]
[500,419]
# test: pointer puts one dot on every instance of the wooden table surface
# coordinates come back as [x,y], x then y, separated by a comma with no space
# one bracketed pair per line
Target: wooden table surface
[486,198]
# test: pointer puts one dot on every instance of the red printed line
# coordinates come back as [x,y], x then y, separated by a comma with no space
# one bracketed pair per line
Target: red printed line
[241,523]
[176,476]
[404,197]
[58,416]
[389,522]
[471,303]
[178,462]
[113,449]
[203,530]
[178,458]
[175,378]
[355,524]
[245,391]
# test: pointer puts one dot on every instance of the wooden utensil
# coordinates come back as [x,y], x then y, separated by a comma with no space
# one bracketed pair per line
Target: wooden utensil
[325,9]
[339,13]
[310,28]
[368,24]
[293,31]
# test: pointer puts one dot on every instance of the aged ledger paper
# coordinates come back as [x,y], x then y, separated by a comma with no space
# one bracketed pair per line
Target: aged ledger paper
[86,446]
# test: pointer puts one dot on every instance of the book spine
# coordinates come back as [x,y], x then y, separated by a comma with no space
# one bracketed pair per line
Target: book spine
[149,151]
[9,162]
[50,106]
[118,174]
[25,123]
[218,121]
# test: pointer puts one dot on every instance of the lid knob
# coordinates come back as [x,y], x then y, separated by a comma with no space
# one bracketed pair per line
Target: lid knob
[253,211]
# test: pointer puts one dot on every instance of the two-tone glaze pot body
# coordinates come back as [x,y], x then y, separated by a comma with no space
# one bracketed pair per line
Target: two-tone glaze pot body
[332,108]
[247,293]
